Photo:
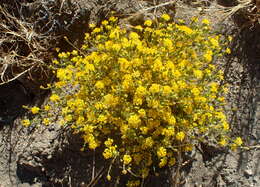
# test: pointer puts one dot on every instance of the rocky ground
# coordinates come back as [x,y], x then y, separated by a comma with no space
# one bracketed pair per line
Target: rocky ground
[45,156]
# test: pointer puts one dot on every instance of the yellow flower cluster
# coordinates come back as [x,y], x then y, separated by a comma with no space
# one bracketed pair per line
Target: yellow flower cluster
[35,110]
[146,94]
[237,142]
[26,122]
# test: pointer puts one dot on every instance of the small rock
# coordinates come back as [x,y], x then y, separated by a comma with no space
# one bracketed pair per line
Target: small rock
[248,172]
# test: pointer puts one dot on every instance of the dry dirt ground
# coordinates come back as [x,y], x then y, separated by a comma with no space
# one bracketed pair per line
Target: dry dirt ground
[45,156]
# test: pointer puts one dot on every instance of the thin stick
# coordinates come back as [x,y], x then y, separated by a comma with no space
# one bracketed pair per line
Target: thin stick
[251,147]
[177,175]
[151,8]
[17,76]
[98,176]
[93,165]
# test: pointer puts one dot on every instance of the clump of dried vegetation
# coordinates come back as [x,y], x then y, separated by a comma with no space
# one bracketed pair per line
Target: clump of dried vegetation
[245,12]
[29,33]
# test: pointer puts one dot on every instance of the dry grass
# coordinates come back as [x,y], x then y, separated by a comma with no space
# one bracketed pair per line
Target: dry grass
[242,4]
[151,10]
[246,8]
[29,33]
[22,49]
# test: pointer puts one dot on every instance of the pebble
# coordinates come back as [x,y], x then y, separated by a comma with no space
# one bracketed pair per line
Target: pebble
[248,172]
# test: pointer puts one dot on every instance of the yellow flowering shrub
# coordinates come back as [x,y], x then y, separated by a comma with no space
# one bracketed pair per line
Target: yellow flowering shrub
[143,95]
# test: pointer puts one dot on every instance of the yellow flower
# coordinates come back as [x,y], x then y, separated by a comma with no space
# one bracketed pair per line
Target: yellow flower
[139,27]
[102,118]
[176,73]
[198,74]
[109,152]
[46,121]
[200,99]
[134,120]
[221,99]
[185,29]
[54,98]
[157,66]
[142,112]
[168,43]
[87,36]
[180,136]
[96,30]
[124,64]
[205,21]
[80,120]
[110,100]
[144,130]
[105,22]
[141,91]
[99,85]
[166,17]
[35,110]
[194,19]
[222,142]
[167,90]
[108,177]
[148,142]
[195,91]
[127,159]
[116,47]
[172,161]
[168,132]
[214,42]
[148,23]
[171,120]
[124,172]
[154,103]
[99,106]
[68,118]
[124,128]
[55,62]
[163,162]
[238,141]
[137,100]
[161,152]
[208,57]
[225,126]
[92,25]
[113,19]
[26,122]
[214,87]
[47,107]
[133,36]
[74,52]
[228,51]
[155,88]
[109,142]
[188,148]
[63,55]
